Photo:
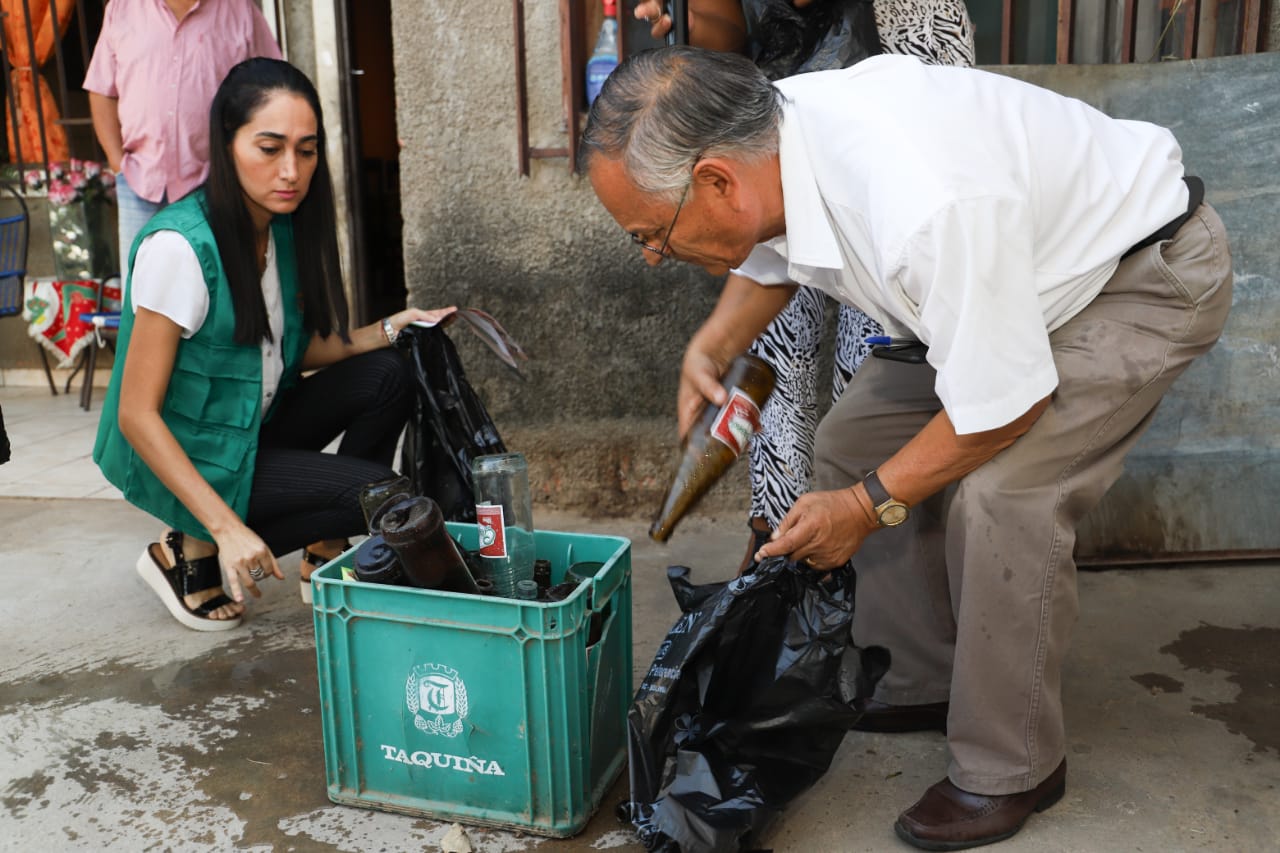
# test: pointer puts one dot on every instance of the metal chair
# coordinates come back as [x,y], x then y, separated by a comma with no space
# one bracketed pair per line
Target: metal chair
[15,238]
[106,326]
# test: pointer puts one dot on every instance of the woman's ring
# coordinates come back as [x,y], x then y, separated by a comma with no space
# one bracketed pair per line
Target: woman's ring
[257,573]
[808,561]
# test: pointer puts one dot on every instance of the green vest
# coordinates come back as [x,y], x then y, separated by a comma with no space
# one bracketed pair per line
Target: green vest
[213,405]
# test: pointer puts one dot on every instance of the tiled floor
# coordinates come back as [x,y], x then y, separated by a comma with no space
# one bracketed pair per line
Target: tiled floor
[52,442]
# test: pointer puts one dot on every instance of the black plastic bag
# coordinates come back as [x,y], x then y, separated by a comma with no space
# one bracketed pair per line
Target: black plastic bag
[450,426]
[743,709]
[825,34]
[4,441]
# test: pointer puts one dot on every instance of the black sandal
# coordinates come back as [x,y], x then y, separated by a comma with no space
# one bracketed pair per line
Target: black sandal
[185,577]
[317,561]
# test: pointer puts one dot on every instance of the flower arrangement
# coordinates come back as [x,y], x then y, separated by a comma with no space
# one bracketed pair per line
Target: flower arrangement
[73,181]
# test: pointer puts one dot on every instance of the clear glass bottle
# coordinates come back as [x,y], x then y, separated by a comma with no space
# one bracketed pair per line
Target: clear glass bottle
[527,590]
[504,515]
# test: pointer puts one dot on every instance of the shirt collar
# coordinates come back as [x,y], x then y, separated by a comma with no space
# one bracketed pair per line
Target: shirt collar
[809,239]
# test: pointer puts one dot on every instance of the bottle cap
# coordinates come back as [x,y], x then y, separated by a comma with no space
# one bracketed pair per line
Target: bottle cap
[376,562]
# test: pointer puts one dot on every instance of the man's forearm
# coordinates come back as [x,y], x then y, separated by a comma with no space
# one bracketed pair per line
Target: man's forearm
[106,126]
[936,456]
[745,309]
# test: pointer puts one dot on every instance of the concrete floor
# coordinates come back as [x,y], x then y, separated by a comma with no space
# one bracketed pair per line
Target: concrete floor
[120,730]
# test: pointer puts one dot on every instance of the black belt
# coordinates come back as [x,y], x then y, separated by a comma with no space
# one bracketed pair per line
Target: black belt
[1195,197]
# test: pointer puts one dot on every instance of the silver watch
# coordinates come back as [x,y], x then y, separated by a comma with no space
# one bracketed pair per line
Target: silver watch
[389,330]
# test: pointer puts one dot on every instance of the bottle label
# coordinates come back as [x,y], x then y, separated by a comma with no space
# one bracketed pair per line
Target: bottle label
[737,421]
[493,538]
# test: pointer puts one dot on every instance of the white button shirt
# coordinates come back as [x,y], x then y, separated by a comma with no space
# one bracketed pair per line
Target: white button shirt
[964,209]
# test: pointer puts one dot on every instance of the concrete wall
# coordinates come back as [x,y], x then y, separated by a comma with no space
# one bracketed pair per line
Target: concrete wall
[1205,479]
[604,331]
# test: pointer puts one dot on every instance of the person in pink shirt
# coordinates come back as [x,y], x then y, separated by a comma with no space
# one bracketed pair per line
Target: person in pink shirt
[155,69]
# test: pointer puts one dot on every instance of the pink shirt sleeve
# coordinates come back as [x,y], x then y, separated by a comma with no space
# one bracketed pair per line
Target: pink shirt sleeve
[264,44]
[100,78]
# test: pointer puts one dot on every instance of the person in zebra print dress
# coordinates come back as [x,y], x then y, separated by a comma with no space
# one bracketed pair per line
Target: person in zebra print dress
[935,31]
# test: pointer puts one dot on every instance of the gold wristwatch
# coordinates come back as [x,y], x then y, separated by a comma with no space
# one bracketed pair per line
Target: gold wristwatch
[888,511]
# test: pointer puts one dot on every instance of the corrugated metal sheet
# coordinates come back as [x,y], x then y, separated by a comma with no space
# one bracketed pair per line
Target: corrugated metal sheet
[1204,482]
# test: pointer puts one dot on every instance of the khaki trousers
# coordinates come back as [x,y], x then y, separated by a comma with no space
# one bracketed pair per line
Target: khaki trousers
[975,595]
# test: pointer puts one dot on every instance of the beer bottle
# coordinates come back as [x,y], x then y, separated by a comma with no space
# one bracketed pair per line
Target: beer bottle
[414,528]
[376,496]
[542,575]
[719,437]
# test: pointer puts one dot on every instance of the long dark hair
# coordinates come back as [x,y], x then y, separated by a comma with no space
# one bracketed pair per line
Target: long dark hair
[244,90]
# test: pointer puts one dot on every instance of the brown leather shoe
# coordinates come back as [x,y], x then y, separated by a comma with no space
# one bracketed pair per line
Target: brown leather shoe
[947,818]
[881,717]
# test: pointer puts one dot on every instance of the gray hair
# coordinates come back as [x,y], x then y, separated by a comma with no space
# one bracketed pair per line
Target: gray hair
[661,110]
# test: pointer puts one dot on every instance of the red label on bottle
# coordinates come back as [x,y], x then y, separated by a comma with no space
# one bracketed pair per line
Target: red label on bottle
[493,538]
[737,421]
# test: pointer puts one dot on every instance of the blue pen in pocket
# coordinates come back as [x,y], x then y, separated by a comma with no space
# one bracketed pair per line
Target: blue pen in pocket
[897,349]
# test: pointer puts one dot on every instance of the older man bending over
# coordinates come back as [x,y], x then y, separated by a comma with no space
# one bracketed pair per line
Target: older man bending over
[1061,271]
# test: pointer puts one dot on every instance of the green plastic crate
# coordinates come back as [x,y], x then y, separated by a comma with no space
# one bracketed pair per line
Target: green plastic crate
[482,710]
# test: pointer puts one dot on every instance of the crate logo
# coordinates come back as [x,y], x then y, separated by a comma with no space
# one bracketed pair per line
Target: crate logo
[493,541]
[736,422]
[442,760]
[438,699]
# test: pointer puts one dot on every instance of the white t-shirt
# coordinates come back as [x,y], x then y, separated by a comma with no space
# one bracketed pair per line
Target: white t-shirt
[964,209]
[166,278]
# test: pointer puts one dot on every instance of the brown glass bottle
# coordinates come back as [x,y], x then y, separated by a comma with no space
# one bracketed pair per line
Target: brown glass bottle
[542,575]
[718,438]
[377,496]
[414,528]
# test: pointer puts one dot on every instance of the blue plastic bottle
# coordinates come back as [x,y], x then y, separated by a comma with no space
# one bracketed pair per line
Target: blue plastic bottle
[605,57]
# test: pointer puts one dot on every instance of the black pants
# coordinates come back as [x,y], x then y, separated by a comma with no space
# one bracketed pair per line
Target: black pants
[302,495]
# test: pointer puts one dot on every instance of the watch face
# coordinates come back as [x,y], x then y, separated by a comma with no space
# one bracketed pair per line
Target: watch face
[893,515]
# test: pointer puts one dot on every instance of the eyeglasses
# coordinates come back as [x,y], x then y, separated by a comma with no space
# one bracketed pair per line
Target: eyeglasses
[661,251]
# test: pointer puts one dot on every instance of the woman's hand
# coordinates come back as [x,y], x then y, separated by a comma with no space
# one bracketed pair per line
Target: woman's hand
[243,553]
[401,319]
[651,11]
[713,24]
[323,352]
